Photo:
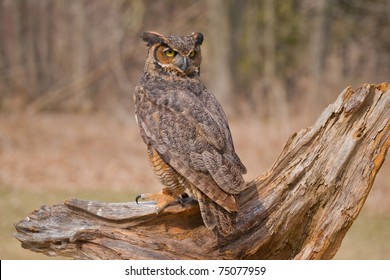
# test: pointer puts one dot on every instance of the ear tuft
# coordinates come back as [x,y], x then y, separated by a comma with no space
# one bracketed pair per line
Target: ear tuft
[198,37]
[151,38]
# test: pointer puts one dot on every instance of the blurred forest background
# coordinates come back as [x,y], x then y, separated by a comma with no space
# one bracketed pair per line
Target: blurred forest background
[68,70]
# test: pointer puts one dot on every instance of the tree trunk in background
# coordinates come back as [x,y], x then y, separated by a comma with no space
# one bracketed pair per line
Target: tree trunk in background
[79,49]
[273,89]
[318,42]
[9,49]
[219,42]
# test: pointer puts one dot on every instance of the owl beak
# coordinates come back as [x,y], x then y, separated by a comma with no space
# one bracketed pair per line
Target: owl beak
[181,62]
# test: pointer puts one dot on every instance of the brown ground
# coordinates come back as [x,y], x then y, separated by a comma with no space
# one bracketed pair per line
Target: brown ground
[45,158]
[91,152]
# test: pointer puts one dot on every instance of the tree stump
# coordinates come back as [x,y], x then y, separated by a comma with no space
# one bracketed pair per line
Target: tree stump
[300,209]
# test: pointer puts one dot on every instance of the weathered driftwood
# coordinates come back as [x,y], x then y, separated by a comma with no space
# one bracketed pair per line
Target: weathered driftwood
[300,209]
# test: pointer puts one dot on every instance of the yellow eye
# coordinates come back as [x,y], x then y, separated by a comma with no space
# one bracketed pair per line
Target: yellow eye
[192,54]
[170,52]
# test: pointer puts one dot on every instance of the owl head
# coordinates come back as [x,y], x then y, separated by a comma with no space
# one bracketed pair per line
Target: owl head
[178,55]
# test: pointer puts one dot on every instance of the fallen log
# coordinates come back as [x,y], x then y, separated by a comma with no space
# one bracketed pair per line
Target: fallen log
[300,209]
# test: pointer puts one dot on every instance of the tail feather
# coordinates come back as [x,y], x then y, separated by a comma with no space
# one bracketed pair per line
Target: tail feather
[215,217]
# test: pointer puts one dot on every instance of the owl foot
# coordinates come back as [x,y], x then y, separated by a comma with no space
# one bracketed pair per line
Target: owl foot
[162,199]
[185,199]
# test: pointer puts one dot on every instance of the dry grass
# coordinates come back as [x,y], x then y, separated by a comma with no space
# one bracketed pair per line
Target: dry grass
[49,157]
[93,152]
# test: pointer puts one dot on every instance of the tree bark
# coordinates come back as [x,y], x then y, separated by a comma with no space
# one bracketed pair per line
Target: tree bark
[300,209]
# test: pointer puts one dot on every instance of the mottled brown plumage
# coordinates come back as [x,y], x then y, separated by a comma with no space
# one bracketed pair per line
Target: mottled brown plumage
[186,131]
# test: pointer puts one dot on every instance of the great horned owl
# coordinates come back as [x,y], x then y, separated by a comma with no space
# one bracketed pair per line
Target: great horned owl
[186,132]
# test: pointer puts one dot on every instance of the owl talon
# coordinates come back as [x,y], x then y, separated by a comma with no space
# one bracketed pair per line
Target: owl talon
[184,200]
[138,197]
[143,197]
[161,199]
[146,196]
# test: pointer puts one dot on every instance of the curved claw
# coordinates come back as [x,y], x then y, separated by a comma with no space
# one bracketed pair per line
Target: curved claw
[137,198]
